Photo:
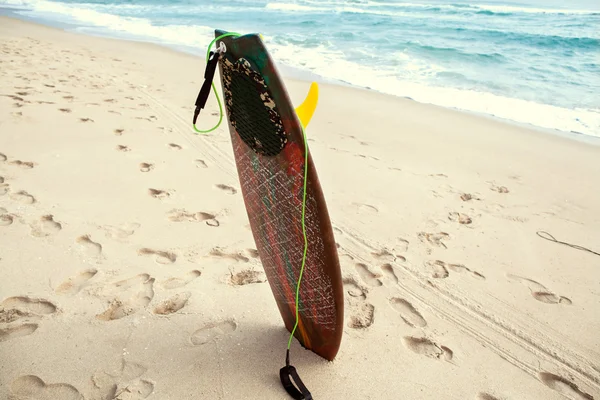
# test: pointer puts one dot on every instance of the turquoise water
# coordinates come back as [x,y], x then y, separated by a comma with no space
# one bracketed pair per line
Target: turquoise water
[532,62]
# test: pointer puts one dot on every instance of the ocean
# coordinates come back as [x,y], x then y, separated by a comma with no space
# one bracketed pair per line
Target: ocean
[533,62]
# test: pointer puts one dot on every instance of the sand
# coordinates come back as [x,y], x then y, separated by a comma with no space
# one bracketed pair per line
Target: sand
[128,269]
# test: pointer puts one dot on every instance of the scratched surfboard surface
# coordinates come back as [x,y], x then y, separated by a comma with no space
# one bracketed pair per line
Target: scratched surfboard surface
[269,151]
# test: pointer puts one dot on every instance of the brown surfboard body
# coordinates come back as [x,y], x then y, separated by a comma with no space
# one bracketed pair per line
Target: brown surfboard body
[269,150]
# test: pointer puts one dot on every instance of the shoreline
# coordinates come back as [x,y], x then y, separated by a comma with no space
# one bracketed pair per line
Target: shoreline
[292,73]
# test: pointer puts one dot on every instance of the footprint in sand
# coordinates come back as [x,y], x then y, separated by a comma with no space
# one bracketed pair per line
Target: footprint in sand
[440,269]
[486,396]
[180,215]
[389,273]
[18,307]
[159,194]
[75,283]
[122,148]
[175,283]
[468,197]
[361,314]
[17,331]
[499,189]
[3,157]
[246,277]
[45,226]
[146,167]
[367,276]
[408,312]
[29,387]
[86,120]
[162,257]
[227,189]
[121,232]
[6,219]
[23,197]
[200,164]
[136,293]
[388,255]
[563,386]
[237,256]
[539,291]
[366,208]
[172,304]
[125,384]
[174,146]
[460,218]
[119,132]
[426,347]
[89,247]
[213,331]
[22,164]
[434,239]
[65,110]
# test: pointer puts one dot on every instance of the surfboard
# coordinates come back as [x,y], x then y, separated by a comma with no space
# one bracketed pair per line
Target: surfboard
[268,144]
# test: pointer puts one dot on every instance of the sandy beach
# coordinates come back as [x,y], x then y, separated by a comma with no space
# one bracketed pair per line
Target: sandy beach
[128,269]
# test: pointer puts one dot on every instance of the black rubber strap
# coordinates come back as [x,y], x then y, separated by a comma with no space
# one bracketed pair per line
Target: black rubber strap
[286,374]
[209,74]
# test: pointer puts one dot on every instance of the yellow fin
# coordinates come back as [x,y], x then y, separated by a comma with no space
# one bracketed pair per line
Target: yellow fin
[306,110]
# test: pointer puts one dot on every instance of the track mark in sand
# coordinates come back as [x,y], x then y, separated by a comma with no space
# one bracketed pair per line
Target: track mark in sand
[499,189]
[88,246]
[435,239]
[388,272]
[539,291]
[65,110]
[6,219]
[110,100]
[146,167]
[361,314]
[172,304]
[75,283]
[45,226]
[408,312]
[174,146]
[159,194]
[437,269]
[175,283]
[121,307]
[200,164]
[227,189]
[460,218]
[162,257]
[86,120]
[563,386]
[246,277]
[180,215]
[29,387]
[4,188]
[119,132]
[122,148]
[23,197]
[17,331]
[212,332]
[22,164]
[121,232]
[3,157]
[219,253]
[426,347]
[367,276]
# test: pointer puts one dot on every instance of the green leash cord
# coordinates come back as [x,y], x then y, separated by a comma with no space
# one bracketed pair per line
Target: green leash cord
[304,187]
